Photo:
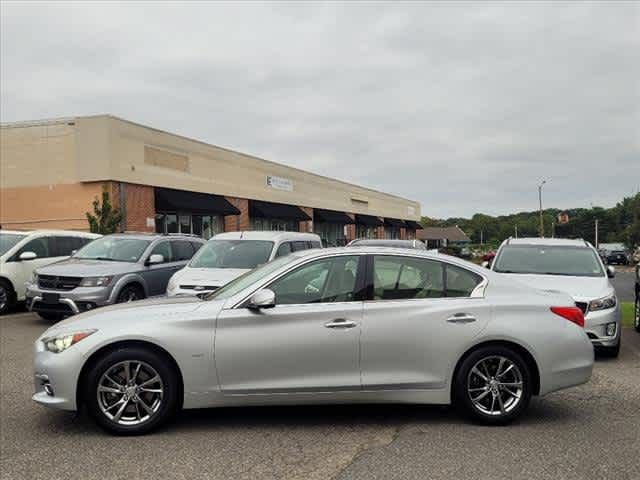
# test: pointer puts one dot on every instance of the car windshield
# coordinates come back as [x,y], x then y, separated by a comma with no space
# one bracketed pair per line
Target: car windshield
[249,278]
[232,254]
[8,240]
[548,260]
[116,249]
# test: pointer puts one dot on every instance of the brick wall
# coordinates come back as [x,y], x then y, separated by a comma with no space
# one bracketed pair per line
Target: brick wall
[380,232]
[235,223]
[139,205]
[403,233]
[306,226]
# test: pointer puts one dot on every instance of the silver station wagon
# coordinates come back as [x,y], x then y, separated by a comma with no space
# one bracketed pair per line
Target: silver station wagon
[338,325]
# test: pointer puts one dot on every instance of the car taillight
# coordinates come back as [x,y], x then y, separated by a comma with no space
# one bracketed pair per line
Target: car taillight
[573,314]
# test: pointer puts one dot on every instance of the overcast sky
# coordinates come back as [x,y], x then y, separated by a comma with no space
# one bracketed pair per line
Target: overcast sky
[463,107]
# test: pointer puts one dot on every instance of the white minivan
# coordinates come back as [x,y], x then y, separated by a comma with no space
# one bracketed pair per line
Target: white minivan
[21,252]
[229,255]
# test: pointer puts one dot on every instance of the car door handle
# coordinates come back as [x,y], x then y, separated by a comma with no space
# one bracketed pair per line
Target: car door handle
[461,318]
[340,323]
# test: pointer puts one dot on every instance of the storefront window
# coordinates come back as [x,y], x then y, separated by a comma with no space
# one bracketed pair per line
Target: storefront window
[273,224]
[365,231]
[391,233]
[332,234]
[205,226]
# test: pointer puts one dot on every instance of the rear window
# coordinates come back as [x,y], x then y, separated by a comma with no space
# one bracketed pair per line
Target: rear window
[548,260]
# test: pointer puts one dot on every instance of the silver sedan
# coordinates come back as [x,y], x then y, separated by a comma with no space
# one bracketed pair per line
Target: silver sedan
[321,326]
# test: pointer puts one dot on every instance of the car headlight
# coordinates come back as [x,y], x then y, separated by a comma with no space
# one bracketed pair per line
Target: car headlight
[96,281]
[603,303]
[59,343]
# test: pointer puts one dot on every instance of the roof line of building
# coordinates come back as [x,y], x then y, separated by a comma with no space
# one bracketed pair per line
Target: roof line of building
[53,121]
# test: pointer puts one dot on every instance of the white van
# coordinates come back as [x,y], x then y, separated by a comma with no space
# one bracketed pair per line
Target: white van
[21,252]
[229,255]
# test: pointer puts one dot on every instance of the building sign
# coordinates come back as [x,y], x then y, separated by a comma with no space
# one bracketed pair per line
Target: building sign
[280,183]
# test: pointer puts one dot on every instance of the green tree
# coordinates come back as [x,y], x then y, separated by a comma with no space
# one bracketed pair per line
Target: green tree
[105,219]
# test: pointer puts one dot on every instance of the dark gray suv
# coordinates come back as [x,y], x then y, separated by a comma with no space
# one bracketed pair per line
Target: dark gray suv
[112,269]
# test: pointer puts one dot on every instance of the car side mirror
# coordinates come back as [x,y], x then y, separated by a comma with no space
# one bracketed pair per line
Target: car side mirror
[611,272]
[155,259]
[28,256]
[264,298]
[73,252]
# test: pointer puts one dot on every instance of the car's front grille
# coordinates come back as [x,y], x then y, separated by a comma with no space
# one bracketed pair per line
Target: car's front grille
[52,282]
[582,306]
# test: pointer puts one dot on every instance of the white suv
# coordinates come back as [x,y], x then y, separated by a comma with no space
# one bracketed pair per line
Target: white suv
[22,252]
[229,255]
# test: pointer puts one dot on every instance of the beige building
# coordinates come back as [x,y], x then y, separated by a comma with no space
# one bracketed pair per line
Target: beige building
[51,171]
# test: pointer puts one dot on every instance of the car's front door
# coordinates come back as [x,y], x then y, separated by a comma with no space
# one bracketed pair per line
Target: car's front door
[308,342]
[157,275]
[416,320]
[43,248]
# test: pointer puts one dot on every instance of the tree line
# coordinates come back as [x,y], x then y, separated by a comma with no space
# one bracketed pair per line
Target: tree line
[617,224]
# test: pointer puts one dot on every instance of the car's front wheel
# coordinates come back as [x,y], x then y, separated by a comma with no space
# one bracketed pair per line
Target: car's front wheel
[6,296]
[493,385]
[130,293]
[131,391]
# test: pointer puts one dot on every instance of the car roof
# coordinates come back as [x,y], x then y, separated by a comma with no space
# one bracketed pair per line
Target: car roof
[566,242]
[154,236]
[360,242]
[267,235]
[51,232]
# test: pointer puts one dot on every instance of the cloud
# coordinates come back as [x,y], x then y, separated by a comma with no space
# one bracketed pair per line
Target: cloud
[461,106]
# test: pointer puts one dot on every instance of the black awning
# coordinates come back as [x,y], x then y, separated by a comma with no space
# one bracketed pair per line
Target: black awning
[170,200]
[331,216]
[369,220]
[394,222]
[282,211]
[413,225]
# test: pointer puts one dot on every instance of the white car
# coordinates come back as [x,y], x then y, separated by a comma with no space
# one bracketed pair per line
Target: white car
[573,267]
[228,255]
[22,252]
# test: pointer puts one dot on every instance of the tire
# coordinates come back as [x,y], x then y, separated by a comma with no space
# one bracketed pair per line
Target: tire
[636,320]
[53,317]
[6,296]
[486,363]
[610,352]
[130,293]
[143,411]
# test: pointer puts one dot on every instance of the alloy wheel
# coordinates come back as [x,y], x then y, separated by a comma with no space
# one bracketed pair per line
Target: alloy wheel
[4,298]
[130,392]
[495,385]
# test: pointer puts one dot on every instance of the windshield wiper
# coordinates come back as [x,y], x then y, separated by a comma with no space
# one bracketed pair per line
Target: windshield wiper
[97,258]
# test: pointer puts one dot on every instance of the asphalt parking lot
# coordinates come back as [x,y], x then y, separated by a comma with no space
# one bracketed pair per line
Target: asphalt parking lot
[592,431]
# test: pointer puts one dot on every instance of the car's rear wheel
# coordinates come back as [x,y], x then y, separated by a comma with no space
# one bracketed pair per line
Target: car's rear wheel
[130,293]
[131,391]
[636,321]
[6,296]
[493,385]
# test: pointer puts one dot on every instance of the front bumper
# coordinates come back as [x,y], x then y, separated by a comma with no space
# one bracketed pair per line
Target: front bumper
[595,325]
[56,377]
[71,302]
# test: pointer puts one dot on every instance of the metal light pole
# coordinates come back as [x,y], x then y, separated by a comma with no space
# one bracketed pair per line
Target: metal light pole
[540,200]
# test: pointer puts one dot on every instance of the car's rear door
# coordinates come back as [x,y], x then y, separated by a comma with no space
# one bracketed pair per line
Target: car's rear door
[308,342]
[418,316]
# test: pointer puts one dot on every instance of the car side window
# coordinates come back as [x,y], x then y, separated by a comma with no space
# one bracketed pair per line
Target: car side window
[196,246]
[164,249]
[315,244]
[398,278]
[297,246]
[40,246]
[63,246]
[460,282]
[322,281]
[283,249]
[182,250]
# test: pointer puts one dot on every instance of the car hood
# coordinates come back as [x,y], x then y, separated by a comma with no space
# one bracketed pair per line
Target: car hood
[580,288]
[76,267]
[216,277]
[126,315]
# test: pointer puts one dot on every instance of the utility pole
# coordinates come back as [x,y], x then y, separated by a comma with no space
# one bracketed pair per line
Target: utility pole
[481,236]
[516,227]
[540,201]
[553,229]
[596,233]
